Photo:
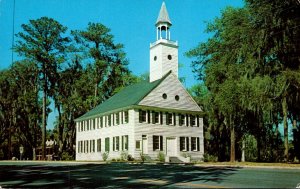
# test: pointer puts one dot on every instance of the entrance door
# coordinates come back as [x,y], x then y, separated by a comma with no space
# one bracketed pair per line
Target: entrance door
[171,147]
[145,144]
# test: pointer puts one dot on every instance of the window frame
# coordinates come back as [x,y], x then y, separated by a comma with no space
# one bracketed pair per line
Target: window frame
[184,144]
[160,141]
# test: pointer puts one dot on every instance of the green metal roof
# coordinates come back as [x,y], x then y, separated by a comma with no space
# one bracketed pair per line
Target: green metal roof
[128,96]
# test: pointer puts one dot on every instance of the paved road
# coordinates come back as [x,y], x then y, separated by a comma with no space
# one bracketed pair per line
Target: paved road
[65,175]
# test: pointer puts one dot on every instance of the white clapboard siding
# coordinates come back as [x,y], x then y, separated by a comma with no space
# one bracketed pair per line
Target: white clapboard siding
[166,131]
[171,86]
[162,65]
[102,133]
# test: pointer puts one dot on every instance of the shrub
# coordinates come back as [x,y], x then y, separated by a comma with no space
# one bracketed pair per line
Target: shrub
[124,155]
[209,158]
[161,156]
[185,155]
[105,156]
[66,156]
[142,157]
[130,158]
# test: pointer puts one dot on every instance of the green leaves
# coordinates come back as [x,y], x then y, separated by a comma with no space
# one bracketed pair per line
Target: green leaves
[251,64]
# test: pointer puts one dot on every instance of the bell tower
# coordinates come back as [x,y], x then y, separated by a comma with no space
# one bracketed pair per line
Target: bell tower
[163,52]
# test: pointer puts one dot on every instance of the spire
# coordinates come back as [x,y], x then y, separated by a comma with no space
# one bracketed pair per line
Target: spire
[163,16]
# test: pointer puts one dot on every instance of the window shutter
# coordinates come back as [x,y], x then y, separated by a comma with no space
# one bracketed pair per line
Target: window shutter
[153,117]
[114,143]
[153,139]
[161,118]
[127,140]
[198,144]
[148,116]
[167,118]
[122,142]
[161,143]
[181,143]
[187,120]
[174,119]
[122,117]
[187,144]
[140,116]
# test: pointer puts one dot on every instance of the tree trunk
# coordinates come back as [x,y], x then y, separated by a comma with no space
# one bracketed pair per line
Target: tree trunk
[243,149]
[285,128]
[277,141]
[294,135]
[232,141]
[258,138]
[60,130]
[44,123]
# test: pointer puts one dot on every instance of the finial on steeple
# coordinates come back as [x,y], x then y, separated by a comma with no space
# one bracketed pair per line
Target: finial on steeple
[163,17]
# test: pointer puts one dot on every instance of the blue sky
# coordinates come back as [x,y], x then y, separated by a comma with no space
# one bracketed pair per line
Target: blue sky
[131,22]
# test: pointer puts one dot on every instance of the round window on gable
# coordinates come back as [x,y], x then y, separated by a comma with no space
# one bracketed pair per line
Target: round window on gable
[164,96]
[170,57]
[176,97]
[155,58]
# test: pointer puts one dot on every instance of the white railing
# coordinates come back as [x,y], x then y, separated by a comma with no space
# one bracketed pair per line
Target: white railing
[164,41]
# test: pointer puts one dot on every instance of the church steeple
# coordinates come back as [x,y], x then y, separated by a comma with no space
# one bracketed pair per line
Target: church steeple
[163,23]
[163,52]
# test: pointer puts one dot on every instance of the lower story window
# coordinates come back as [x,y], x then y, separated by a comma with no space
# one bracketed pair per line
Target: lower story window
[184,143]
[99,145]
[157,143]
[195,144]
[138,145]
[125,142]
[92,145]
[107,144]
[116,143]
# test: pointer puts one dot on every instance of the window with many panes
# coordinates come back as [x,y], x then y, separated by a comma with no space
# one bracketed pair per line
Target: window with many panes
[184,143]
[117,116]
[92,145]
[126,117]
[169,119]
[109,120]
[155,117]
[107,144]
[157,143]
[195,143]
[181,119]
[193,120]
[125,142]
[142,116]
[99,145]
[116,143]
[138,145]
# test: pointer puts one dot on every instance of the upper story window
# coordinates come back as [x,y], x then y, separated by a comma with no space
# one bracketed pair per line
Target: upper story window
[193,120]
[181,119]
[142,116]
[126,117]
[155,117]
[109,119]
[117,117]
[94,124]
[170,57]
[170,118]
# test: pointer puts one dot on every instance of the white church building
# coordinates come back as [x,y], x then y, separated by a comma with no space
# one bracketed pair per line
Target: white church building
[147,118]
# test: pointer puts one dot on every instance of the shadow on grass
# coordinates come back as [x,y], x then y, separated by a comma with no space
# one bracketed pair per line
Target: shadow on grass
[109,175]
